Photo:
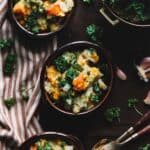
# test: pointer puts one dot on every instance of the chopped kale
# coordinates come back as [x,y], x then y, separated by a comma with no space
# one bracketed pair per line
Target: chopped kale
[112,114]
[31,22]
[9,102]
[61,64]
[4,44]
[144,147]
[94,32]
[95,98]
[52,1]
[9,65]
[71,73]
[88,1]
[132,102]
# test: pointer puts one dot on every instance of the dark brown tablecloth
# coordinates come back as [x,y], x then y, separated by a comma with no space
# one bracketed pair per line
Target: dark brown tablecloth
[124,43]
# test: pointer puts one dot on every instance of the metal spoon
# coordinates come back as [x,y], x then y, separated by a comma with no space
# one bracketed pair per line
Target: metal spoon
[106,144]
[114,145]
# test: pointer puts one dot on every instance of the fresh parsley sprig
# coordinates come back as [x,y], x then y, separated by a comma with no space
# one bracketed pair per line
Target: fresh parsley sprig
[9,65]
[112,114]
[94,32]
[52,1]
[24,92]
[144,147]
[132,102]
[88,1]
[5,43]
[9,102]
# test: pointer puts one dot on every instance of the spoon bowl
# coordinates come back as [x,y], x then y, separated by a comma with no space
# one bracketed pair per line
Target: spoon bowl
[105,144]
[131,134]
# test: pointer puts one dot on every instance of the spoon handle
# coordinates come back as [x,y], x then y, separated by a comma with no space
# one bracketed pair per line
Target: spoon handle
[137,125]
[140,133]
[143,120]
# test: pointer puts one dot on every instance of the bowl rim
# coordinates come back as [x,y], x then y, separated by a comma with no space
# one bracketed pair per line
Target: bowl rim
[70,137]
[44,34]
[60,51]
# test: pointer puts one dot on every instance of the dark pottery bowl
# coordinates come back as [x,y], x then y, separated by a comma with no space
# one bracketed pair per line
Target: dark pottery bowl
[39,35]
[71,140]
[79,45]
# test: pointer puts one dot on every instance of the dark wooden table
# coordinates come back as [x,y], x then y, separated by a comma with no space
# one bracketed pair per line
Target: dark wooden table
[124,43]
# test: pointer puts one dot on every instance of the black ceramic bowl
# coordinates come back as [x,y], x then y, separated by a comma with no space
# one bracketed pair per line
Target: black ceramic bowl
[79,45]
[71,140]
[44,34]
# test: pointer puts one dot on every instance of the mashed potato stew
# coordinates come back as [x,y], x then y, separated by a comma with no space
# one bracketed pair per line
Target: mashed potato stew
[51,145]
[39,16]
[74,81]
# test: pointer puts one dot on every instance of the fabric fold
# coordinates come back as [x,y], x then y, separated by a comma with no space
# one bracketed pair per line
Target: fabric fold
[20,122]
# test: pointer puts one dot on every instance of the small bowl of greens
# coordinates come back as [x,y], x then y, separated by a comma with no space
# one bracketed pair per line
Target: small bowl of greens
[41,18]
[52,141]
[77,78]
[131,12]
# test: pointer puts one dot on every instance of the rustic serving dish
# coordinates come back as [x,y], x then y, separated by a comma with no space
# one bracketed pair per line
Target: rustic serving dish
[39,35]
[79,45]
[74,141]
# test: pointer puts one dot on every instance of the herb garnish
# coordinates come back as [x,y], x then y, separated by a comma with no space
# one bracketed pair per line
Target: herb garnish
[145,147]
[112,114]
[24,92]
[61,64]
[132,102]
[95,98]
[52,1]
[94,32]
[71,73]
[9,102]
[88,1]
[112,2]
[9,65]
[5,43]
[31,23]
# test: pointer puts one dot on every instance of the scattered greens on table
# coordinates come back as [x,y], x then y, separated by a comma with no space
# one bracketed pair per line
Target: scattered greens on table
[88,1]
[134,10]
[24,93]
[52,1]
[10,64]
[132,102]
[112,114]
[9,102]
[94,32]
[144,147]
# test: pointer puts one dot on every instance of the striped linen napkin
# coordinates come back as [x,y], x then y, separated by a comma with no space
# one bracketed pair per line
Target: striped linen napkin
[20,122]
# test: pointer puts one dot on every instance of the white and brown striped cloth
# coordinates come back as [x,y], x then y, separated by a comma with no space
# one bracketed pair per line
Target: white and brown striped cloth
[20,121]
